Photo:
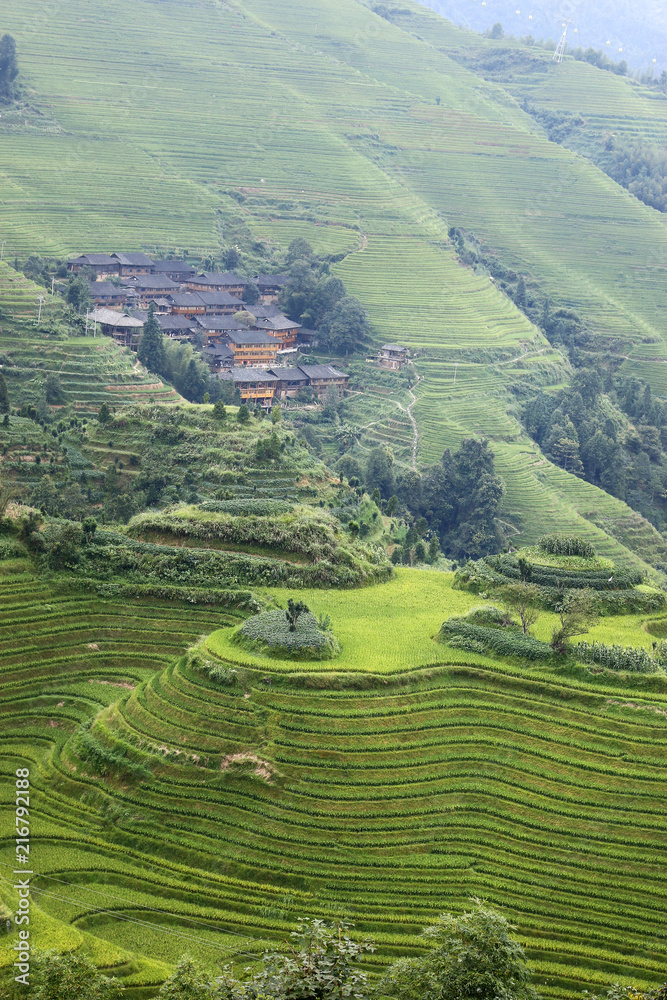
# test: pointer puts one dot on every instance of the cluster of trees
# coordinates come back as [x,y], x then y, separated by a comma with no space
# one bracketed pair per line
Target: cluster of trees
[606,428]
[596,57]
[471,956]
[316,299]
[9,68]
[638,166]
[178,363]
[458,499]
[581,429]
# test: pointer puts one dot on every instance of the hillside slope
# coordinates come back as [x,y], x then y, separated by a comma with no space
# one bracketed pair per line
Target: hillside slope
[321,120]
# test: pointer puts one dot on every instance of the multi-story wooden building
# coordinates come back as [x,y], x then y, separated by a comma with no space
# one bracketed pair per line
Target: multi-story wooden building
[393,356]
[151,286]
[103,264]
[177,270]
[270,286]
[133,263]
[255,384]
[187,304]
[322,377]
[124,329]
[281,329]
[106,293]
[290,380]
[253,348]
[213,281]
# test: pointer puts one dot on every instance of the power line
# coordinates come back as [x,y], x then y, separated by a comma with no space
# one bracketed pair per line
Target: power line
[115,915]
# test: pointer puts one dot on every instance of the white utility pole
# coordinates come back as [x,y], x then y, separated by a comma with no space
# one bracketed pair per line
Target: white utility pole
[2,250]
[455,370]
[41,299]
[87,311]
[53,286]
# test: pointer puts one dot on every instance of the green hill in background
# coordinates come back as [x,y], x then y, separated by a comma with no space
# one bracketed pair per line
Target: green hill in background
[191,126]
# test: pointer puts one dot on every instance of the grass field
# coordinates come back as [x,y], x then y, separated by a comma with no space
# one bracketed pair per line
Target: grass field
[405,777]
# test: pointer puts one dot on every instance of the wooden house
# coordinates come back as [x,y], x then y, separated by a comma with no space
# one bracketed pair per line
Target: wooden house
[321,377]
[281,329]
[253,348]
[186,304]
[255,384]
[290,380]
[133,263]
[177,270]
[220,303]
[393,356]
[124,328]
[178,327]
[150,286]
[106,293]
[102,264]
[270,286]
[218,357]
[215,281]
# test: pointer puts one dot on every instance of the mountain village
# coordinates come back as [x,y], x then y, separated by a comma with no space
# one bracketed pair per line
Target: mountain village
[252,344]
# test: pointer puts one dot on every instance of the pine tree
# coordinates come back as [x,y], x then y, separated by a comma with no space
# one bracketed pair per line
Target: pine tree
[151,347]
[9,68]
[4,396]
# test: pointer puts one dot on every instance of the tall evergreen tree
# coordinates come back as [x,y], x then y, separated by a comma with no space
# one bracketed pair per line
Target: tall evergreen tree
[151,347]
[9,67]
[4,395]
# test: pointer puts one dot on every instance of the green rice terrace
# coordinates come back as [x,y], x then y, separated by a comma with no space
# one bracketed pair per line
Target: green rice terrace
[200,794]
[250,688]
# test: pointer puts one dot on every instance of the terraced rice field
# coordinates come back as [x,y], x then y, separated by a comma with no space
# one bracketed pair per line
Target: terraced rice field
[425,777]
[91,370]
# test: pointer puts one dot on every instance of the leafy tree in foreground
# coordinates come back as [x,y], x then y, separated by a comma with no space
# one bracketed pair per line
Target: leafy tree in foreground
[151,348]
[345,328]
[243,415]
[473,957]
[188,982]
[618,992]
[70,977]
[219,410]
[319,966]
[9,67]
[522,599]
[578,612]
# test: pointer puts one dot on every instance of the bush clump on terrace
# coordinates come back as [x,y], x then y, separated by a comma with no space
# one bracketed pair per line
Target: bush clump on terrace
[488,630]
[566,545]
[271,633]
[247,507]
[622,658]
[616,588]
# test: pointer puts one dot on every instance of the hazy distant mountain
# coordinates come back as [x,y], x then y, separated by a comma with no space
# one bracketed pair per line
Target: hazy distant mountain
[638,28]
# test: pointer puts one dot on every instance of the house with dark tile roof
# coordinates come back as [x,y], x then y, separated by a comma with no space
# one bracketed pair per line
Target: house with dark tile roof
[255,384]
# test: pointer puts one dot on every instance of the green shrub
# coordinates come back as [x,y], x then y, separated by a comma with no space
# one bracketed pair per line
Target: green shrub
[270,632]
[503,641]
[616,657]
[247,507]
[566,545]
